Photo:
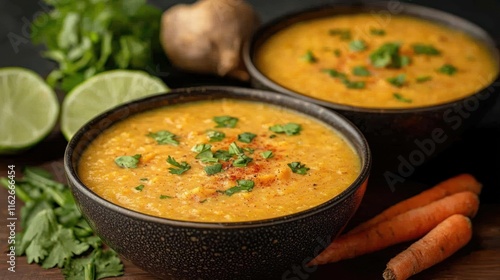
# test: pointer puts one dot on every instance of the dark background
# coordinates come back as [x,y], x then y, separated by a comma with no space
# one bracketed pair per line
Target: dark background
[477,152]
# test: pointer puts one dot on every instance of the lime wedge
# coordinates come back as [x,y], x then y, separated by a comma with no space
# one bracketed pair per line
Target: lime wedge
[29,109]
[102,92]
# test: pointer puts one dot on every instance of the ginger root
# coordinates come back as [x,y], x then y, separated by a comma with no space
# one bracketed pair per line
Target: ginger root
[207,36]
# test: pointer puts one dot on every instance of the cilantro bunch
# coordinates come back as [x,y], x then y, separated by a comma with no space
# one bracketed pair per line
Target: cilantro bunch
[55,233]
[90,36]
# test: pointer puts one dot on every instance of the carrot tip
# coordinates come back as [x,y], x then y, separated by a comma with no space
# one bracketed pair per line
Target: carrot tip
[389,274]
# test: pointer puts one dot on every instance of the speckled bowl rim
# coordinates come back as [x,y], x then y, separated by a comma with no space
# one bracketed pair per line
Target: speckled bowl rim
[252,95]
[416,10]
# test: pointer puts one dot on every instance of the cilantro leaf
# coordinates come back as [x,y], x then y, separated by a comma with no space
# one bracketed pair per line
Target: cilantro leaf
[64,246]
[242,160]
[288,129]
[334,73]
[242,185]
[246,137]
[360,71]
[354,84]
[181,167]
[225,121]
[298,168]
[234,149]
[344,34]
[377,32]
[267,154]
[309,57]
[423,79]
[166,196]
[139,188]
[128,161]
[204,153]
[215,135]
[337,52]
[164,137]
[401,98]
[388,55]
[102,263]
[448,69]
[397,81]
[357,45]
[222,155]
[213,169]
[425,49]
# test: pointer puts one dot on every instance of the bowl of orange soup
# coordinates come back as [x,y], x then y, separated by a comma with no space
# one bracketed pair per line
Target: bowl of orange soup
[218,182]
[410,77]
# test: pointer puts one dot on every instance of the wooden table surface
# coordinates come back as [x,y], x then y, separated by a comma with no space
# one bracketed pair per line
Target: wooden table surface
[480,259]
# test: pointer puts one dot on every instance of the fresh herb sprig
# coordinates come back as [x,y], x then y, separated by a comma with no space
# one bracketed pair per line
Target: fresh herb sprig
[55,233]
[181,167]
[88,37]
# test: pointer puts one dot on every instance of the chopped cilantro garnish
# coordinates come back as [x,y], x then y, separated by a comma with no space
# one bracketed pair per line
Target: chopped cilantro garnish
[267,154]
[165,196]
[448,69]
[242,185]
[182,167]
[353,84]
[225,121]
[360,71]
[128,161]
[272,136]
[298,168]
[377,32]
[143,179]
[388,55]
[204,152]
[344,34]
[234,149]
[423,79]
[242,160]
[337,52]
[397,81]
[357,45]
[222,155]
[246,137]
[401,98]
[425,49]
[204,200]
[334,73]
[248,150]
[309,57]
[215,135]
[164,137]
[140,187]
[288,129]
[213,169]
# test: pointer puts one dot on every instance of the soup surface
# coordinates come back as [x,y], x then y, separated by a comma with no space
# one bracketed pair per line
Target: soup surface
[365,61]
[219,161]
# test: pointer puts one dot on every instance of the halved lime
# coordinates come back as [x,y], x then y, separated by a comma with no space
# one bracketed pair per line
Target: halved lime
[105,91]
[29,109]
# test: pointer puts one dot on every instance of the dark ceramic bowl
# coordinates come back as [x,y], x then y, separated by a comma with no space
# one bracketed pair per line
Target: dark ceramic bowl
[172,249]
[400,139]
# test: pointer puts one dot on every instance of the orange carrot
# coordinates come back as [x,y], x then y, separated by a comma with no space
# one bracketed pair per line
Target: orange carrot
[408,226]
[440,243]
[460,183]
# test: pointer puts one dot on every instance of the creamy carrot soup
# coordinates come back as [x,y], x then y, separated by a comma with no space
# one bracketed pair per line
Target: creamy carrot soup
[219,161]
[357,60]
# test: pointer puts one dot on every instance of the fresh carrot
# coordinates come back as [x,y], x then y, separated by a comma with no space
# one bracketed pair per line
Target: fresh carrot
[460,183]
[408,226]
[440,243]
